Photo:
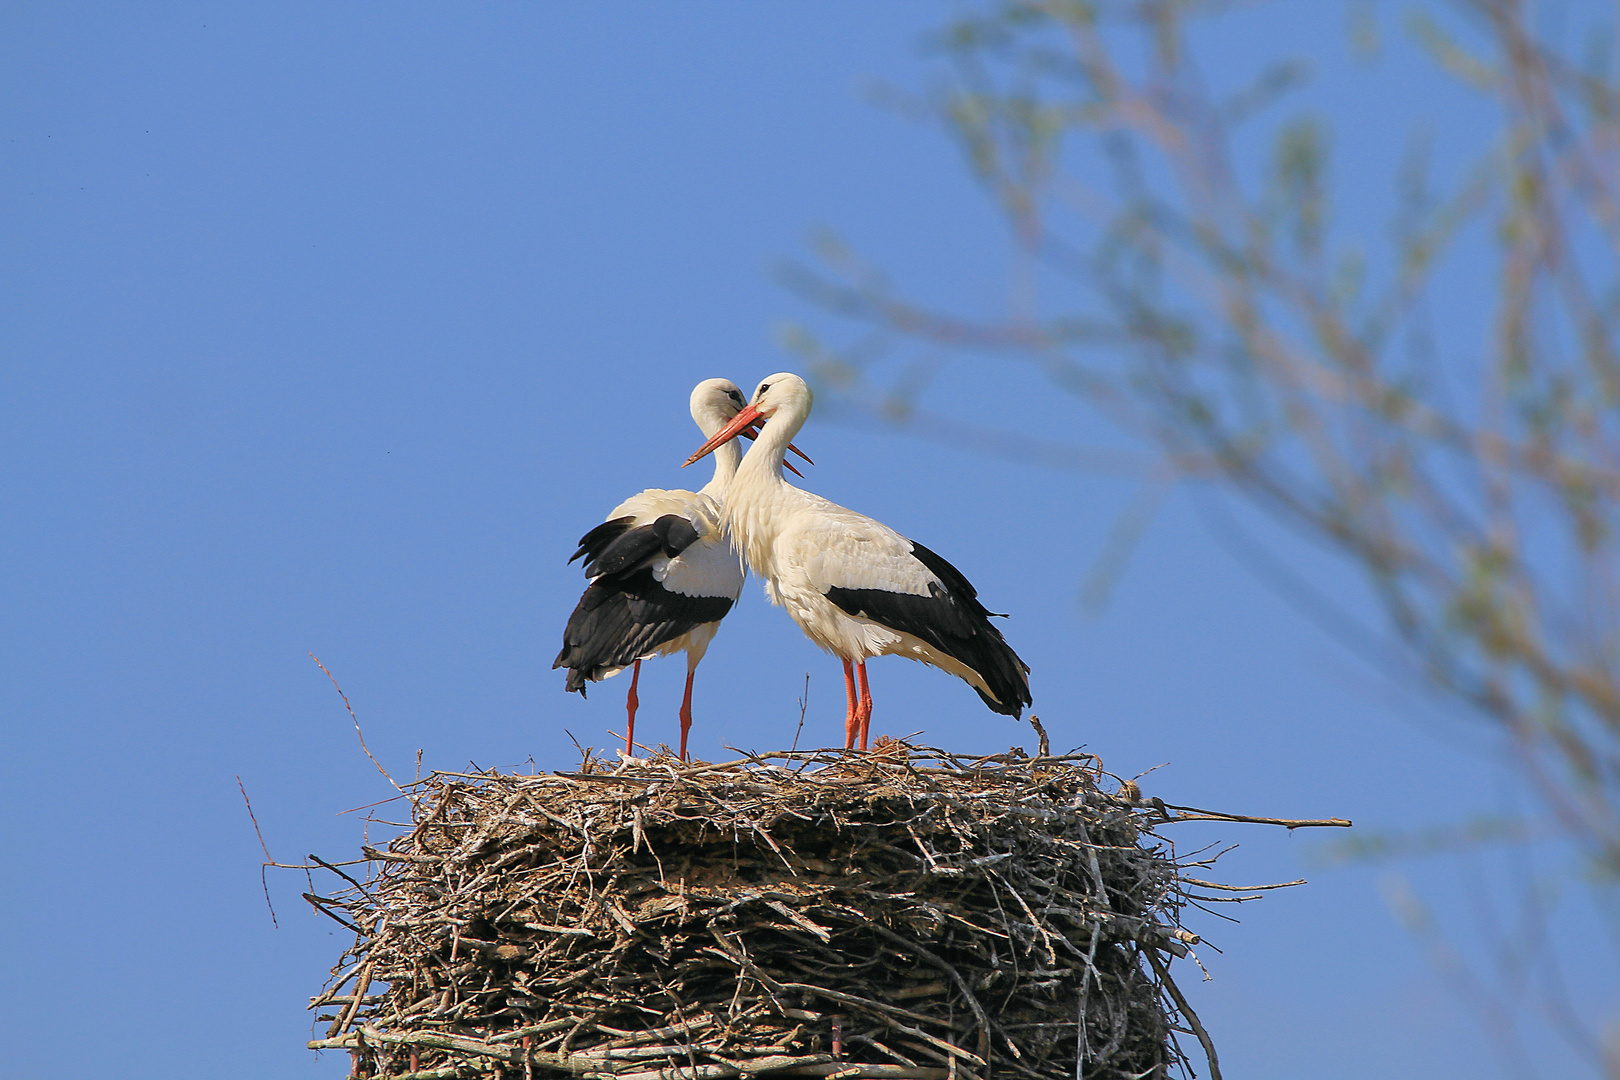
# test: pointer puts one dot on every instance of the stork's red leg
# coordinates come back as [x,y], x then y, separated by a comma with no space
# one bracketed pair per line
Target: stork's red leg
[686,713]
[851,724]
[863,711]
[631,704]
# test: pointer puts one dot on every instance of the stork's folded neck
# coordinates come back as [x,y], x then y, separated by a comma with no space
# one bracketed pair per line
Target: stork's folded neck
[726,459]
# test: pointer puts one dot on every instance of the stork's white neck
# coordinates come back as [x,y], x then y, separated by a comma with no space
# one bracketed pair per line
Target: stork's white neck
[763,464]
[760,497]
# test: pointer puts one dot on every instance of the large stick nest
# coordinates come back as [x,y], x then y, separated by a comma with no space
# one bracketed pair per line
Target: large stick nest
[900,914]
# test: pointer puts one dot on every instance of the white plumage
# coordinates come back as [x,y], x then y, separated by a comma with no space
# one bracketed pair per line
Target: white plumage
[662,571]
[709,569]
[855,586]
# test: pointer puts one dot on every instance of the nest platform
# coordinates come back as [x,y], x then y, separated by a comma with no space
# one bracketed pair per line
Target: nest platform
[901,914]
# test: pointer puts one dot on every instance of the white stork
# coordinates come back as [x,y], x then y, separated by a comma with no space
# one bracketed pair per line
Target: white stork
[662,572]
[855,586]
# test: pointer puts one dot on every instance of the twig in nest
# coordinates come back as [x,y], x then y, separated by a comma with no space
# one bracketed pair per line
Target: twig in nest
[358,733]
[1186,1011]
[264,867]
[657,915]
[1189,813]
[804,703]
[1040,732]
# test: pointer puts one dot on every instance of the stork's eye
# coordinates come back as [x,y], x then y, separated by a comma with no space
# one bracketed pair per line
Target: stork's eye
[736,395]
[761,391]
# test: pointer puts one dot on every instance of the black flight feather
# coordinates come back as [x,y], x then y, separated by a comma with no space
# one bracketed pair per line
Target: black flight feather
[952,620]
[621,548]
[597,540]
[626,612]
[623,619]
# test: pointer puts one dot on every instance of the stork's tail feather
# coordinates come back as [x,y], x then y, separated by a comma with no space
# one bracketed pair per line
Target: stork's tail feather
[980,645]
[578,675]
[1004,673]
[577,679]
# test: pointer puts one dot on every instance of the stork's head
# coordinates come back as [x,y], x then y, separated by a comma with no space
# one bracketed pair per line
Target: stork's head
[783,392]
[714,403]
[785,395]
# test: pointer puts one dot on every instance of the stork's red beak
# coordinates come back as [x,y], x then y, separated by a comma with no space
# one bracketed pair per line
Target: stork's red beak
[746,423]
[745,419]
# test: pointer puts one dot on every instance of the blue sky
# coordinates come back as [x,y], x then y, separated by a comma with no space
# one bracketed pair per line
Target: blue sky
[330,328]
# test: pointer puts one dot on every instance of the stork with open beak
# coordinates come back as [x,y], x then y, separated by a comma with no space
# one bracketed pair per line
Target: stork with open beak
[662,572]
[855,586]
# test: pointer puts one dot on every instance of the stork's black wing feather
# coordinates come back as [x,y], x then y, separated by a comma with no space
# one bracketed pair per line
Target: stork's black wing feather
[621,548]
[676,532]
[950,575]
[951,619]
[593,543]
[622,618]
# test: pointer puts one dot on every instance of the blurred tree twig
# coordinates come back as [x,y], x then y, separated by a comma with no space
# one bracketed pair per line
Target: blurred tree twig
[1224,313]
[1477,489]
